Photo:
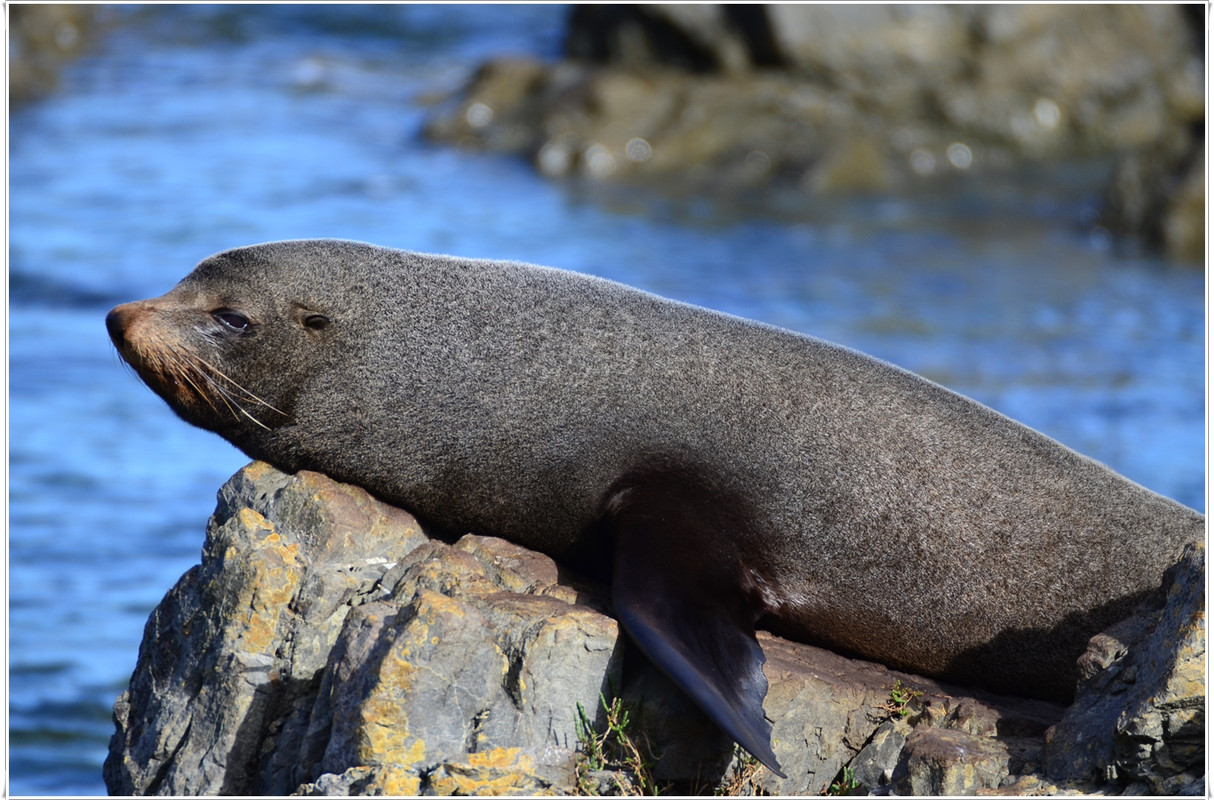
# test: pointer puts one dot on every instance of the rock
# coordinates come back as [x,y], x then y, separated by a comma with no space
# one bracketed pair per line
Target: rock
[874,765]
[610,124]
[42,38]
[1032,80]
[857,98]
[326,645]
[697,37]
[950,762]
[843,39]
[1183,226]
[364,782]
[1159,196]
[1082,78]
[1107,75]
[1139,715]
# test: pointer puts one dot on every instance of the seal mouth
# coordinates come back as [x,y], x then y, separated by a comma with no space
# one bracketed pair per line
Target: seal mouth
[189,383]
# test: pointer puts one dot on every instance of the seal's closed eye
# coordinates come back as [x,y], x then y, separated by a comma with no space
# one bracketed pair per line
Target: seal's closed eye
[232,319]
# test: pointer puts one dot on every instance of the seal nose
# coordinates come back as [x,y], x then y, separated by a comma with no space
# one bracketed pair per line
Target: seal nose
[114,324]
[118,322]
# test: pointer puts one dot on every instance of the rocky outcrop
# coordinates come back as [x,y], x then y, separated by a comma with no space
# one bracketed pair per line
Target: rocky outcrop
[326,645]
[1139,715]
[864,97]
[325,641]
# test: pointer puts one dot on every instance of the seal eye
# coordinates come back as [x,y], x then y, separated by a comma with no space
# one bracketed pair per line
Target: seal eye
[316,322]
[233,320]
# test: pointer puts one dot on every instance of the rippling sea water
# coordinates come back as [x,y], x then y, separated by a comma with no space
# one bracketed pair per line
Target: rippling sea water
[189,130]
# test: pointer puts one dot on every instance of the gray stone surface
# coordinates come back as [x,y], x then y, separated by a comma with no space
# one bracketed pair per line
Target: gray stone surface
[326,645]
[323,633]
[874,764]
[1139,716]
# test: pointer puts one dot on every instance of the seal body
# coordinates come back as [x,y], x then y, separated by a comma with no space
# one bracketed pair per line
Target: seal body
[739,474]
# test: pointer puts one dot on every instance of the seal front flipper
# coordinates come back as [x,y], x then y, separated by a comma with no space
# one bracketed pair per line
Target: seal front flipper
[678,589]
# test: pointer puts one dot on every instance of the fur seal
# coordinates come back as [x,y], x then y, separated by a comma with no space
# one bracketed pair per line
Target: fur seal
[737,474]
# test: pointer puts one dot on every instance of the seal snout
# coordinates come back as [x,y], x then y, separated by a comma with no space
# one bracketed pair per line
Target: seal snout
[158,339]
[140,340]
[132,327]
[117,322]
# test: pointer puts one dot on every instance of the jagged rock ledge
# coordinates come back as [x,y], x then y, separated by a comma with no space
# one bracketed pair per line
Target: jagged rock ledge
[327,646]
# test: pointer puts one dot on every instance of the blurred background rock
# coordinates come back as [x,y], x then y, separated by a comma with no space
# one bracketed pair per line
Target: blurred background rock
[832,98]
[861,97]
[42,38]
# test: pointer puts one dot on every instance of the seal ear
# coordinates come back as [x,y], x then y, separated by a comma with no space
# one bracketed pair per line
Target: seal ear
[312,320]
[679,592]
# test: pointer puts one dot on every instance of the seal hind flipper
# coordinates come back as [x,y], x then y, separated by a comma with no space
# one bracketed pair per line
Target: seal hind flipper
[682,604]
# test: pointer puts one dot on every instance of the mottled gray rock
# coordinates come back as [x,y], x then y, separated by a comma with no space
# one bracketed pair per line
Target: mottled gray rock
[1113,75]
[1139,715]
[874,764]
[326,646]
[325,640]
[939,761]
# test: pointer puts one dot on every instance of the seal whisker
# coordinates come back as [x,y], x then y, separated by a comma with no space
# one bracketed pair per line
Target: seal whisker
[207,372]
[232,402]
[248,395]
[173,365]
[228,402]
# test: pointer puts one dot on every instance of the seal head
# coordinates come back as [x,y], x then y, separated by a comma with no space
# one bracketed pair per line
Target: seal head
[202,346]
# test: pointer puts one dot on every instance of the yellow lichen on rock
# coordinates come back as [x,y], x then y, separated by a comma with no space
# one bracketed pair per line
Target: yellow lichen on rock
[276,569]
[393,781]
[384,736]
[500,771]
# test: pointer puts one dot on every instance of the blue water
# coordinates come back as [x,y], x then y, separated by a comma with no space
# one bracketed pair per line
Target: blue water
[195,129]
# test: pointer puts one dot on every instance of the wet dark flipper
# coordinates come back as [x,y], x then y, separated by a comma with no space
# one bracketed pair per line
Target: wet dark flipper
[679,592]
